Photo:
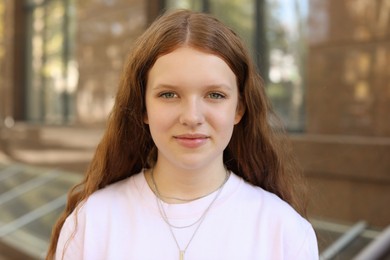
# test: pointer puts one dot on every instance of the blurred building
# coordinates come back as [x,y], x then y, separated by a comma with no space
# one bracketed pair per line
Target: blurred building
[326,64]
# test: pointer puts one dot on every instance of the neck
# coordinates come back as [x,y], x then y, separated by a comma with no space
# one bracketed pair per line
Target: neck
[178,186]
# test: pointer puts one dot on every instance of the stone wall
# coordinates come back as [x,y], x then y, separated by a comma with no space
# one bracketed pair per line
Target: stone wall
[345,151]
[349,68]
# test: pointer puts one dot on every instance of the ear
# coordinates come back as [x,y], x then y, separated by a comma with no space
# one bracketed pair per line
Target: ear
[146,119]
[240,111]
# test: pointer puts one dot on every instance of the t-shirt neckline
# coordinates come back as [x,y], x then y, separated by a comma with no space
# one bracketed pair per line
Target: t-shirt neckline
[188,209]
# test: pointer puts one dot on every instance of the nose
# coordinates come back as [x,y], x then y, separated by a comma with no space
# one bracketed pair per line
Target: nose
[192,113]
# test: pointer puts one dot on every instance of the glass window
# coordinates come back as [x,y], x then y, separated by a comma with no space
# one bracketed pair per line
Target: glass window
[2,56]
[286,53]
[2,40]
[185,4]
[238,15]
[51,72]
[274,31]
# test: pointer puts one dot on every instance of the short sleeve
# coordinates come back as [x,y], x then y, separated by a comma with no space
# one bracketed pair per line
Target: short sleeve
[70,242]
[309,248]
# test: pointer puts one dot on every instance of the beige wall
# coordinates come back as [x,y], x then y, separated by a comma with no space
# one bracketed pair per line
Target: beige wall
[349,68]
[349,177]
[346,149]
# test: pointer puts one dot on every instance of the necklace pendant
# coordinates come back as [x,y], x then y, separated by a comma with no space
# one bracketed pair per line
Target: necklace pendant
[181,255]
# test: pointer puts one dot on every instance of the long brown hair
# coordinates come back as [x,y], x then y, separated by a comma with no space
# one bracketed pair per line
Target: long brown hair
[258,150]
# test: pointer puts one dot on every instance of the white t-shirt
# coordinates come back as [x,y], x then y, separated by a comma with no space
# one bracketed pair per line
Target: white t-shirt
[122,221]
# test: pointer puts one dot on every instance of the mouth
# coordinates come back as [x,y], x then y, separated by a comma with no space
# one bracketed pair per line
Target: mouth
[191,140]
[191,136]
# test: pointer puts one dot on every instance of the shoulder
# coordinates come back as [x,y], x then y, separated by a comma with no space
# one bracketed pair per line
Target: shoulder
[267,202]
[115,192]
[270,205]
[111,199]
[279,219]
[295,231]
[94,216]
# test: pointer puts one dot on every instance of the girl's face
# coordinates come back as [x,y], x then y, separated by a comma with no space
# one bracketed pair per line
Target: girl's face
[192,105]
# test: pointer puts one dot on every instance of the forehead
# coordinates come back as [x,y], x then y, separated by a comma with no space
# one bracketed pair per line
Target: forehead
[188,65]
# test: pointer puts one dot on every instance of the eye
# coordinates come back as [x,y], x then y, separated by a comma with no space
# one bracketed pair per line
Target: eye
[168,95]
[216,95]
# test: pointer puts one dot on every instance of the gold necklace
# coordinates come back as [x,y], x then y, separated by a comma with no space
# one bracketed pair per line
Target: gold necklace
[164,216]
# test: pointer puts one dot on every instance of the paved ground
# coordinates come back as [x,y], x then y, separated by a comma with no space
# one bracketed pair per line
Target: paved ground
[37,168]
[31,199]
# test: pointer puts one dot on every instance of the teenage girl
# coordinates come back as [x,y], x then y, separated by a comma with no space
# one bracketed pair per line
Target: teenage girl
[190,166]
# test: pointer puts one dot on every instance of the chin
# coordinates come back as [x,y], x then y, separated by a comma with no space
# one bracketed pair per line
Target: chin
[193,162]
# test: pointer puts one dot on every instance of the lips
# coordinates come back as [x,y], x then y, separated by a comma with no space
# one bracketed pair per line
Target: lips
[191,140]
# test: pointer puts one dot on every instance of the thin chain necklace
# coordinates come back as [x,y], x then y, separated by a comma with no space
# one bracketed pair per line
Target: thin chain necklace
[163,213]
[187,200]
[199,221]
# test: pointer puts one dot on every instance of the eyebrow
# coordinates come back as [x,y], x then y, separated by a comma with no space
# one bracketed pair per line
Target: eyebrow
[216,86]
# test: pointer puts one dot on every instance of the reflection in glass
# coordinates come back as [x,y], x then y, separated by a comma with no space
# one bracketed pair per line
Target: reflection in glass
[50,63]
[239,14]
[185,4]
[2,51]
[285,36]
[2,14]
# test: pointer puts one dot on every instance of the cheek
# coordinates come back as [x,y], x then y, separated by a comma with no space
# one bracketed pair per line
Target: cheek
[224,122]
[158,121]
